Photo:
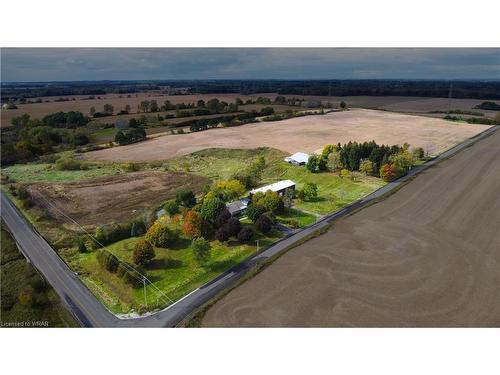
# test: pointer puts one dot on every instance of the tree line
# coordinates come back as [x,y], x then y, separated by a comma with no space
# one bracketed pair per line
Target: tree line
[30,138]
[387,162]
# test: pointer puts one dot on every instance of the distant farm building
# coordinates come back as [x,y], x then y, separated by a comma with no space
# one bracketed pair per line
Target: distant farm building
[278,187]
[299,158]
[238,207]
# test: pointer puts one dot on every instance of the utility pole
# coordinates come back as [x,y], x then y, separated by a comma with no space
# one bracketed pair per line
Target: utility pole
[145,296]
[449,97]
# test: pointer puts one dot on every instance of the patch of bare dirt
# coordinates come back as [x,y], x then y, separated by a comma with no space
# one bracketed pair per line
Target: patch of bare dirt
[115,198]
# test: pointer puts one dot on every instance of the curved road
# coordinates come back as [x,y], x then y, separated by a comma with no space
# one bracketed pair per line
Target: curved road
[91,313]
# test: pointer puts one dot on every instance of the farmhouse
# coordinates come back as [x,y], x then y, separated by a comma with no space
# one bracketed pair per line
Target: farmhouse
[238,207]
[299,158]
[279,187]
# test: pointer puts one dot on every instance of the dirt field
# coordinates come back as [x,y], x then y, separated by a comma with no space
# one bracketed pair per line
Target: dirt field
[38,110]
[419,105]
[306,134]
[427,256]
[113,198]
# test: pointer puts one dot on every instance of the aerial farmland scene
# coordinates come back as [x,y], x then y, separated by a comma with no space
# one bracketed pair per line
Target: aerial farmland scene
[249,202]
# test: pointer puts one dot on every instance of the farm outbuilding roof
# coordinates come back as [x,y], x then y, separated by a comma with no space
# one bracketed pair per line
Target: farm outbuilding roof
[298,158]
[277,186]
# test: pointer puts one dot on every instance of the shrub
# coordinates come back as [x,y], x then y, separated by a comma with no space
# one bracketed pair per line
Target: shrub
[221,234]
[245,234]
[25,296]
[201,249]
[107,260]
[171,207]
[233,226]
[131,167]
[310,190]
[67,164]
[143,252]
[138,229]
[344,173]
[112,234]
[82,248]
[50,158]
[23,193]
[254,211]
[263,224]
[222,218]
[38,284]
[418,153]
[186,198]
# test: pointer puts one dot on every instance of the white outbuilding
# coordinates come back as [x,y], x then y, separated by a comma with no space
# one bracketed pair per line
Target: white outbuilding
[299,158]
[278,187]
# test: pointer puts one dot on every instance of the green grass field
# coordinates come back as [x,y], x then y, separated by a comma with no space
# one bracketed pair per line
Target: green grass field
[334,192]
[291,215]
[174,271]
[218,163]
[41,172]
[41,302]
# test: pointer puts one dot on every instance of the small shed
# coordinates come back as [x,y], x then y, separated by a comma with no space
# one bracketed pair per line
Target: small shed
[299,158]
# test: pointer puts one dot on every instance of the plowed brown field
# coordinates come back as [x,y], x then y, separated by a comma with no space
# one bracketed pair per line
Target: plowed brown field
[427,256]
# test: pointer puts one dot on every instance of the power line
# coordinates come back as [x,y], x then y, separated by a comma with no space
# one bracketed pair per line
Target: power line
[141,277]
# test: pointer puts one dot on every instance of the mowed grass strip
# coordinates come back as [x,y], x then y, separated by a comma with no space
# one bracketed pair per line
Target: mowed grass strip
[174,271]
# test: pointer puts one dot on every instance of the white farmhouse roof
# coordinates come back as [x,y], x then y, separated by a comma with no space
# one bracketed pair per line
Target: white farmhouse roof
[298,157]
[277,186]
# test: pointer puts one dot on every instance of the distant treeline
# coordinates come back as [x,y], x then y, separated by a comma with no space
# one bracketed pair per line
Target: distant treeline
[461,89]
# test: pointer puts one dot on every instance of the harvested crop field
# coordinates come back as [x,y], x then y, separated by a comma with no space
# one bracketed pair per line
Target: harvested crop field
[114,198]
[427,256]
[82,104]
[307,134]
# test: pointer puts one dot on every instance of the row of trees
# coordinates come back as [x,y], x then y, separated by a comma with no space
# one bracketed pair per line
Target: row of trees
[367,157]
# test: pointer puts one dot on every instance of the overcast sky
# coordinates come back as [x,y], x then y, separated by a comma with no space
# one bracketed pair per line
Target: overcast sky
[73,64]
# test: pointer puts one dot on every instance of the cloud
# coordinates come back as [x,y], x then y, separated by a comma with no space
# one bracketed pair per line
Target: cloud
[62,64]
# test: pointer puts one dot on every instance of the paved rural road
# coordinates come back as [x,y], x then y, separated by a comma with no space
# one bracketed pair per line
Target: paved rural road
[91,313]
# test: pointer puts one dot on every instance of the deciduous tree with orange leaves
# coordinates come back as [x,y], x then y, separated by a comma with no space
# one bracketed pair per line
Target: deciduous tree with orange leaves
[192,224]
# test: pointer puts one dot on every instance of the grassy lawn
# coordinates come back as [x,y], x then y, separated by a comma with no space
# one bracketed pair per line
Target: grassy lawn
[334,192]
[40,172]
[174,271]
[302,218]
[19,277]
[103,135]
